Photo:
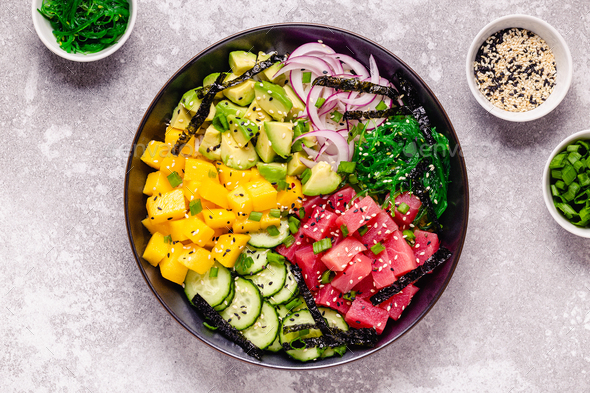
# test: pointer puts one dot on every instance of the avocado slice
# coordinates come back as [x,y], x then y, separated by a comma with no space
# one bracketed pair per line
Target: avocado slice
[211,144]
[241,61]
[322,181]
[242,129]
[256,114]
[273,172]
[241,94]
[180,117]
[237,157]
[273,99]
[295,166]
[222,110]
[269,73]
[298,105]
[209,79]
[264,147]
[280,136]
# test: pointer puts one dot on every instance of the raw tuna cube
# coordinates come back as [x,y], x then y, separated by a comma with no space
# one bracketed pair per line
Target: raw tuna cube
[311,267]
[331,297]
[366,288]
[362,314]
[404,220]
[400,254]
[340,255]
[289,252]
[426,244]
[396,304]
[312,202]
[345,281]
[381,227]
[340,198]
[319,224]
[359,214]
[382,273]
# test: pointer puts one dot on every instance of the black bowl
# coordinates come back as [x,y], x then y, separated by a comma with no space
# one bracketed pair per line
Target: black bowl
[285,38]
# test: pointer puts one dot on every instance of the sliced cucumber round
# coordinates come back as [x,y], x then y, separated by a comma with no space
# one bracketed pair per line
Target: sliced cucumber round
[302,317]
[307,354]
[270,280]
[329,352]
[213,289]
[227,301]
[275,346]
[246,306]
[263,239]
[288,292]
[334,319]
[266,328]
[258,262]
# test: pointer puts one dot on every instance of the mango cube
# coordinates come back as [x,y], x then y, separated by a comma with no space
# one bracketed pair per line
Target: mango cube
[255,175]
[170,268]
[239,200]
[219,218]
[213,192]
[172,135]
[218,232]
[199,170]
[156,249]
[232,178]
[163,228]
[155,183]
[154,153]
[177,230]
[267,220]
[173,164]
[263,195]
[292,197]
[228,248]
[244,225]
[166,206]
[197,231]
[196,258]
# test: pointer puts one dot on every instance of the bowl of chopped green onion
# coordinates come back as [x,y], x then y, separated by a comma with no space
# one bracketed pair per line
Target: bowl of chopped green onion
[84,30]
[566,184]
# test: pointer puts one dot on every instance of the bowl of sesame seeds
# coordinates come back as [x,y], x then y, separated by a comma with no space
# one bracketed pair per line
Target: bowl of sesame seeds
[519,68]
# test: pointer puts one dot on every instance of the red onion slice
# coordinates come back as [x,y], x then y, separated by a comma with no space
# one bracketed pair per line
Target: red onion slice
[357,67]
[311,48]
[311,63]
[333,137]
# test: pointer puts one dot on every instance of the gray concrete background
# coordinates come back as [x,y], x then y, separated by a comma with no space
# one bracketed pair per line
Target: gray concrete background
[77,316]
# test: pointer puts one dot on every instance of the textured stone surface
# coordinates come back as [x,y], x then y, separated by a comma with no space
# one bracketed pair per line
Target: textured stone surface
[76,314]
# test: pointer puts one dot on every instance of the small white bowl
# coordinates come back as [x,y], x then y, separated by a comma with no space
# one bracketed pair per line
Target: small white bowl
[561,220]
[44,31]
[563,63]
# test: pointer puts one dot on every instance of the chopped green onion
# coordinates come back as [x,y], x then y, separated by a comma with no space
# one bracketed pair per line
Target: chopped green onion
[213,271]
[408,235]
[346,167]
[320,102]
[174,179]
[293,303]
[573,148]
[289,240]
[212,174]
[195,207]
[584,180]
[573,157]
[275,213]
[255,216]
[558,161]
[403,208]
[377,248]
[344,230]
[381,106]
[282,185]
[273,230]
[327,277]
[168,239]
[560,184]
[301,213]
[569,174]
[363,229]
[305,176]
[350,295]
[210,327]
[306,78]
[322,245]
[274,257]
[554,190]
[340,350]
[336,116]
[567,210]
[557,173]
[294,224]
[352,179]
[571,192]
[579,166]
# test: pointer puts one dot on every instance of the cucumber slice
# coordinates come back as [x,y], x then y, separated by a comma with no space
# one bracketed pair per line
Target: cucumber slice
[213,289]
[266,328]
[258,262]
[246,306]
[275,346]
[263,239]
[288,292]
[329,352]
[298,318]
[270,280]
[334,318]
[227,301]
[307,354]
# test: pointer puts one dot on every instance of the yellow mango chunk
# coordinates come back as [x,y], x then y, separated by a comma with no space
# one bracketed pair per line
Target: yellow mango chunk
[155,183]
[196,258]
[218,232]
[228,248]
[197,231]
[255,175]
[199,170]
[219,218]
[267,220]
[173,164]
[190,189]
[163,228]
[263,195]
[156,249]
[172,135]
[177,230]
[154,153]
[166,207]
[213,192]
[239,200]
[292,197]
[170,268]
[232,178]
[244,225]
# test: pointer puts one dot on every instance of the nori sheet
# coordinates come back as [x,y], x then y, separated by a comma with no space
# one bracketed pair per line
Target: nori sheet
[360,115]
[297,328]
[431,263]
[225,328]
[410,97]
[353,84]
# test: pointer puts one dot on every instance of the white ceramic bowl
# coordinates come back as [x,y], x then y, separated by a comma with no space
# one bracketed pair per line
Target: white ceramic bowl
[563,63]
[561,220]
[44,31]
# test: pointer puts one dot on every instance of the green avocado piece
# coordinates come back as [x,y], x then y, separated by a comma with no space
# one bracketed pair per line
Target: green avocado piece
[256,114]
[298,105]
[241,94]
[180,117]
[322,181]
[273,172]
[241,61]
[209,79]
[273,99]
[191,103]
[280,136]
[211,144]
[222,110]
[264,147]
[237,157]
[242,129]
[295,166]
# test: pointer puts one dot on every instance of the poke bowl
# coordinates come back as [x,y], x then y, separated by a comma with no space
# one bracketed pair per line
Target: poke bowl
[286,38]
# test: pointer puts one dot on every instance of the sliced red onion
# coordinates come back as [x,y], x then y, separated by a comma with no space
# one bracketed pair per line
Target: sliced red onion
[308,163]
[335,138]
[374,70]
[335,64]
[357,67]
[311,63]
[311,48]
[295,77]
[312,110]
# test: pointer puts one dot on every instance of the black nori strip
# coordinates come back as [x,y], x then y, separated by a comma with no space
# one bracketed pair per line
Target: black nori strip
[225,328]
[353,84]
[296,328]
[364,336]
[417,110]
[418,189]
[302,343]
[360,115]
[431,263]
[199,117]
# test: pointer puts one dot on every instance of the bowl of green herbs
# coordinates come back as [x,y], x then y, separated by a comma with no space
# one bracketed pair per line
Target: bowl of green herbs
[566,184]
[84,30]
